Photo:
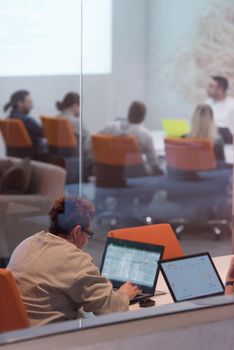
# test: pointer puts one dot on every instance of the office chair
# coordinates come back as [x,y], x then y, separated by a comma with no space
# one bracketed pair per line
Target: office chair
[60,136]
[63,146]
[161,234]
[226,135]
[116,159]
[17,139]
[12,312]
[186,157]
[194,160]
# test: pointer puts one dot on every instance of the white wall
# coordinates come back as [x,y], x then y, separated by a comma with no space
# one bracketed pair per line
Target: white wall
[105,96]
[184,51]
[165,33]
[160,56]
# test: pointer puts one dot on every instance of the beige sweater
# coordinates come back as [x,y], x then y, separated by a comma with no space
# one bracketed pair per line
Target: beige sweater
[56,280]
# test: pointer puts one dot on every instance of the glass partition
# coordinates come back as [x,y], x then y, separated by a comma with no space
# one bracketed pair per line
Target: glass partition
[117,103]
[40,83]
[178,170]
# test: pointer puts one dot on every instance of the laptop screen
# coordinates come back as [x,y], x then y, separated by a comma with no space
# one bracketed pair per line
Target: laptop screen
[192,277]
[175,127]
[131,261]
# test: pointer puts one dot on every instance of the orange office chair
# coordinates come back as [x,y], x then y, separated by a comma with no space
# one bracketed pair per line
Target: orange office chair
[63,146]
[161,234]
[190,154]
[60,136]
[185,158]
[12,312]
[16,137]
[116,157]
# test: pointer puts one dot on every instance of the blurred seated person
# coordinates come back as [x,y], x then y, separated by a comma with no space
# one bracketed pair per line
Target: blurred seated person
[21,104]
[133,126]
[229,284]
[56,278]
[69,108]
[203,127]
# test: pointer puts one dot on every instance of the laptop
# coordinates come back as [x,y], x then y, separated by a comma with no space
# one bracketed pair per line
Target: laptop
[175,127]
[191,277]
[137,262]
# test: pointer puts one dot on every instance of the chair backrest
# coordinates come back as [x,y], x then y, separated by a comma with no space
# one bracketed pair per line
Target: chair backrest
[116,158]
[12,312]
[190,154]
[161,234]
[15,133]
[59,132]
[116,150]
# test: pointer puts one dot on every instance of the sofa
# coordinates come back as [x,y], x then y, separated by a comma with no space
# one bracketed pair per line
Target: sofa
[47,182]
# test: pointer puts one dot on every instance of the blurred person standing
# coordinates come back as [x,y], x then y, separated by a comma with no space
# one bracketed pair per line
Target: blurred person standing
[222,106]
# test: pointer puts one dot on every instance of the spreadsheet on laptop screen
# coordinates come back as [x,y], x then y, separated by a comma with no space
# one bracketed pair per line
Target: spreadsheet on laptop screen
[130,264]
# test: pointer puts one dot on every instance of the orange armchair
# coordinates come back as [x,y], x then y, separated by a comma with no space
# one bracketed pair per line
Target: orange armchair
[186,158]
[190,154]
[60,136]
[114,157]
[63,146]
[12,312]
[161,234]
[16,137]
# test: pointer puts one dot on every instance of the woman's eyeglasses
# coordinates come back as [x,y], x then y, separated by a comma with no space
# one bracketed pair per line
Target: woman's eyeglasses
[89,233]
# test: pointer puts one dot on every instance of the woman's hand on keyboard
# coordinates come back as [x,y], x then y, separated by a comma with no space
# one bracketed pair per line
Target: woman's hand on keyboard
[130,289]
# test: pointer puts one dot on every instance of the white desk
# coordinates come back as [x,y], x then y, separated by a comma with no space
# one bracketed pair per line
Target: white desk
[158,140]
[221,263]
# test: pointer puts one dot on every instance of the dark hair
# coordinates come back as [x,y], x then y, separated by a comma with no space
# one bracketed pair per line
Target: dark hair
[136,112]
[67,212]
[69,100]
[15,98]
[222,82]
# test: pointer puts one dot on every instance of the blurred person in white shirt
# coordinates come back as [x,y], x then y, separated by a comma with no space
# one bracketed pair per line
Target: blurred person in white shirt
[222,106]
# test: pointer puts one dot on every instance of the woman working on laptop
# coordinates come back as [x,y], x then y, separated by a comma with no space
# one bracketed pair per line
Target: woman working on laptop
[56,279]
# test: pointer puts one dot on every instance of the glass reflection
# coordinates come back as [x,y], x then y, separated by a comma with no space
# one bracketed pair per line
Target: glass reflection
[138,105]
